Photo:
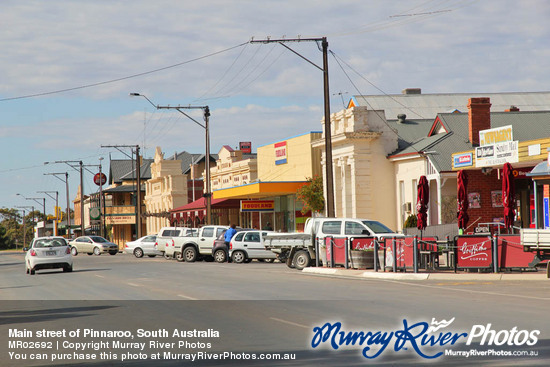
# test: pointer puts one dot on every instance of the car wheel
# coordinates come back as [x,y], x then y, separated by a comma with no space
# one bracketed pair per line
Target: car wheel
[138,252]
[220,256]
[301,260]
[67,268]
[238,257]
[27,269]
[190,254]
[166,256]
[179,257]
[269,261]
[290,262]
[97,251]
[33,272]
[74,251]
[113,252]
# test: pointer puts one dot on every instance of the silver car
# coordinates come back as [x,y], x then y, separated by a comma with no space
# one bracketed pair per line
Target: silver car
[143,246]
[248,245]
[48,253]
[92,245]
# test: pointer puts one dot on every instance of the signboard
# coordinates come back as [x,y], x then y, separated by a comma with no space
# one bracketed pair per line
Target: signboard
[281,153]
[95,213]
[474,252]
[497,154]
[463,160]
[120,219]
[257,205]
[100,179]
[496,135]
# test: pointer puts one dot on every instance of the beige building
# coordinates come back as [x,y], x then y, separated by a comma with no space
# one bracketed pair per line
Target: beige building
[283,167]
[233,168]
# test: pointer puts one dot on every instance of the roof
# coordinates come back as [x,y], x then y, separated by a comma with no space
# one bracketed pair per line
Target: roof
[191,158]
[426,106]
[123,169]
[123,188]
[528,125]
[144,173]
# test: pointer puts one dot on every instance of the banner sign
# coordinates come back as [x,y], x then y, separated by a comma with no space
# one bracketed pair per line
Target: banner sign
[281,153]
[496,135]
[463,160]
[474,252]
[257,205]
[497,154]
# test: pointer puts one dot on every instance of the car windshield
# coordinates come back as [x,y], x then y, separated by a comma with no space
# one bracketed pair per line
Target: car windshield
[98,239]
[49,242]
[377,227]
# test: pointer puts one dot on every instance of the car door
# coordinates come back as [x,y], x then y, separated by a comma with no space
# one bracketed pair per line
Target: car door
[206,239]
[252,244]
[85,244]
[148,244]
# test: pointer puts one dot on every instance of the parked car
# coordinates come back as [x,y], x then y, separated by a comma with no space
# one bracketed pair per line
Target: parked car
[48,253]
[220,252]
[166,235]
[143,246]
[92,245]
[198,247]
[249,245]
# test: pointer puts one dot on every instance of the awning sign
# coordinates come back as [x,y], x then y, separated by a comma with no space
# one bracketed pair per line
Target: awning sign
[257,205]
[463,160]
[497,154]
[280,153]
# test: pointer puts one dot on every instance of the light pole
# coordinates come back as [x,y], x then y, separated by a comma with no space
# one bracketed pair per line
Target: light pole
[206,111]
[66,174]
[36,199]
[55,209]
[24,228]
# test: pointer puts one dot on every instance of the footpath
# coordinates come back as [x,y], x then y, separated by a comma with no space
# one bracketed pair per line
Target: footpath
[540,275]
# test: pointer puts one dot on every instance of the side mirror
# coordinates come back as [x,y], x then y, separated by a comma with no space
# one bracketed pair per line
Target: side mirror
[365,232]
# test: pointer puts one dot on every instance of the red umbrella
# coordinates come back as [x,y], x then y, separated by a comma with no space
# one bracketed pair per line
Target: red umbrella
[508,194]
[422,200]
[462,199]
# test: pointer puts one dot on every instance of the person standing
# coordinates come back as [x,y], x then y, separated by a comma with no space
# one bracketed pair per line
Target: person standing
[228,236]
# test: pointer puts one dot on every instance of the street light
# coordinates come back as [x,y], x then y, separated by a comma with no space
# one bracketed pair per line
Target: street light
[55,209]
[36,199]
[66,174]
[206,112]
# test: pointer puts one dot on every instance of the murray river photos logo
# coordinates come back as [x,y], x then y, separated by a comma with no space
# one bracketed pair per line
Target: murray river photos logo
[427,340]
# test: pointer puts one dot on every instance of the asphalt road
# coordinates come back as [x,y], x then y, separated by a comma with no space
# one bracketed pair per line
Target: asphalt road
[263,308]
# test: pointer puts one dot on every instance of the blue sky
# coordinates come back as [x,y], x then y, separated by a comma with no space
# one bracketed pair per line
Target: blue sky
[100,51]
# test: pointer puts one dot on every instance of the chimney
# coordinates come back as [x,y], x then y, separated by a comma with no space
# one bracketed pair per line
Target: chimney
[479,117]
[512,109]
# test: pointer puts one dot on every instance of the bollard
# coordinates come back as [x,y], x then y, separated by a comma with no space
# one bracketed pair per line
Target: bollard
[346,252]
[375,254]
[317,252]
[415,254]
[495,254]
[394,250]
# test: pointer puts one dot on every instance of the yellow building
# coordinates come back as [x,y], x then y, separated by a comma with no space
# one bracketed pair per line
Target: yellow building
[283,167]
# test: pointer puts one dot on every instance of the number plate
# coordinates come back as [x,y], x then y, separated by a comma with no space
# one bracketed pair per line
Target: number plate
[50,253]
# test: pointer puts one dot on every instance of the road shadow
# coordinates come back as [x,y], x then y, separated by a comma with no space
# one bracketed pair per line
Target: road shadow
[45,315]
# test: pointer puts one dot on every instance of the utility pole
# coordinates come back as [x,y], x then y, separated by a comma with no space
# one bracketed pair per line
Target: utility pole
[66,174]
[138,181]
[206,112]
[328,134]
[56,206]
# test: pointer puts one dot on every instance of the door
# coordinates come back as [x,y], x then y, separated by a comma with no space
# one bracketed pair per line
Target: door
[206,239]
[253,244]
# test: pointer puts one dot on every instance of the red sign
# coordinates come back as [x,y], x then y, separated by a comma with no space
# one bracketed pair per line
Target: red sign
[257,205]
[474,252]
[100,179]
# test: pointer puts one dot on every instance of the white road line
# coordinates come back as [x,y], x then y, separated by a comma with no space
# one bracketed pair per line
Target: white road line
[187,297]
[134,285]
[290,323]
[99,276]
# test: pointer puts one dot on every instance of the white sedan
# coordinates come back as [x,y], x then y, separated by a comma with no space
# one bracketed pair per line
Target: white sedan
[48,253]
[143,246]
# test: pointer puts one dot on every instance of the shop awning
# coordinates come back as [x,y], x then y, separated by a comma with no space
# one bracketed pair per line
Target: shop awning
[259,190]
[541,172]
[197,208]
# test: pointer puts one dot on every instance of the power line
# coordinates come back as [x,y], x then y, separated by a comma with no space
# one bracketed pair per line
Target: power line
[120,79]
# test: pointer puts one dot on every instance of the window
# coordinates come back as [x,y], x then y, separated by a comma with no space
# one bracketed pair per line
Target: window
[332,227]
[239,236]
[252,237]
[377,227]
[219,231]
[354,228]
[208,232]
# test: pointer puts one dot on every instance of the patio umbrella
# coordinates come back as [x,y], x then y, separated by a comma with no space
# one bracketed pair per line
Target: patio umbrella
[422,200]
[508,194]
[462,199]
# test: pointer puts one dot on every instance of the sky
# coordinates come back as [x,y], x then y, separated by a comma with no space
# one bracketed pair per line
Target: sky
[67,69]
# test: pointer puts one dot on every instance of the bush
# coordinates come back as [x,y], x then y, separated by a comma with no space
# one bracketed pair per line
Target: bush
[411,221]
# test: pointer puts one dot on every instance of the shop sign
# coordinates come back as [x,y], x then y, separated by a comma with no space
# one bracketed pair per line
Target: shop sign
[496,135]
[257,205]
[120,219]
[497,154]
[281,153]
[474,252]
[463,160]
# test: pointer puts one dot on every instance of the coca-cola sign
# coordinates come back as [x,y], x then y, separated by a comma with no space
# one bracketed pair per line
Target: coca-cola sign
[474,252]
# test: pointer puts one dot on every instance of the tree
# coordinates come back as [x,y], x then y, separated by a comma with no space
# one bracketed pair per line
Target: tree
[311,194]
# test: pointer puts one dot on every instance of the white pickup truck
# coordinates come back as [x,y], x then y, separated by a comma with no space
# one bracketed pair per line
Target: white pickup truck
[165,239]
[298,249]
[198,247]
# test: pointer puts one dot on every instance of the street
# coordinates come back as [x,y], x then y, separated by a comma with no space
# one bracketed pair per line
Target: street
[260,307]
